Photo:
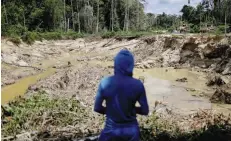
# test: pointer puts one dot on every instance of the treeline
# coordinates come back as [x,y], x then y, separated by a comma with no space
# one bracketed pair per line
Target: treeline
[87,16]
[96,16]
[208,13]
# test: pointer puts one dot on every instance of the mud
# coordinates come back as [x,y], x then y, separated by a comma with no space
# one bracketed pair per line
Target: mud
[78,65]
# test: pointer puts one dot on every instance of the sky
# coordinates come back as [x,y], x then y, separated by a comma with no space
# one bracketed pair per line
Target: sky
[167,6]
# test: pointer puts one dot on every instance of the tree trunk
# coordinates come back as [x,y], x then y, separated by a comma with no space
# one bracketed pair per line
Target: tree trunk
[77,7]
[64,12]
[5,13]
[127,25]
[97,24]
[225,22]
[68,23]
[138,15]
[72,15]
[24,20]
[79,23]
[112,15]
[125,15]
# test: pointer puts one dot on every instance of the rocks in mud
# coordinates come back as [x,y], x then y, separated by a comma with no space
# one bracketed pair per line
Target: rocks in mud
[9,82]
[68,63]
[150,40]
[33,88]
[215,80]
[110,67]
[146,64]
[22,63]
[182,79]
[221,96]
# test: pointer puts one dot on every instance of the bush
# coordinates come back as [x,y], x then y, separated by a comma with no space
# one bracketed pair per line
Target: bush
[194,29]
[27,113]
[31,37]
[171,29]
[108,34]
[72,35]
[51,35]
[221,29]
[13,30]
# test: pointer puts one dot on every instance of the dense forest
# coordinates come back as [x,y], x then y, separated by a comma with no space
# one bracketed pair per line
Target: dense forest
[93,16]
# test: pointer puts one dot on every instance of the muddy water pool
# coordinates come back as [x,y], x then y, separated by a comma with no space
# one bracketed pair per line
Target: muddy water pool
[19,88]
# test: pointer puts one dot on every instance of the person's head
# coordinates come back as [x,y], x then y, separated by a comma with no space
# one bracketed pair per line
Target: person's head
[124,63]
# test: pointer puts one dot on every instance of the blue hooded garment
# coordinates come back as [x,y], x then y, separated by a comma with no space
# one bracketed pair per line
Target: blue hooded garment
[121,92]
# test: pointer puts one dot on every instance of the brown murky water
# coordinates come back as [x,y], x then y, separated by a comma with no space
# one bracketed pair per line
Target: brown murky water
[161,86]
[19,88]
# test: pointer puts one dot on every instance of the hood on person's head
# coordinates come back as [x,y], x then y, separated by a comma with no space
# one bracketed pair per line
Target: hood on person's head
[124,63]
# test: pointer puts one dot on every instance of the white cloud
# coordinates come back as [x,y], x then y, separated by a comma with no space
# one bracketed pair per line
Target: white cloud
[167,6]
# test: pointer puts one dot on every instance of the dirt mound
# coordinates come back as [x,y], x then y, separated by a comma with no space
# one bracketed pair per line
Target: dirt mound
[215,80]
[224,65]
[221,96]
[79,82]
[182,79]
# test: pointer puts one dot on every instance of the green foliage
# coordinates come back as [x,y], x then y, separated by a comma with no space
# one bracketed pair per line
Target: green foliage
[51,35]
[208,13]
[40,111]
[222,28]
[13,30]
[155,129]
[28,113]
[171,29]
[31,37]
[194,29]
[48,15]
[125,35]
[72,35]
[108,34]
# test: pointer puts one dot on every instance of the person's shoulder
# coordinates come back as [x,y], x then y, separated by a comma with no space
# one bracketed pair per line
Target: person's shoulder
[105,81]
[106,78]
[137,81]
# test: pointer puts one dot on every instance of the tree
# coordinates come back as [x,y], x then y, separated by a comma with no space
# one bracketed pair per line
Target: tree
[97,24]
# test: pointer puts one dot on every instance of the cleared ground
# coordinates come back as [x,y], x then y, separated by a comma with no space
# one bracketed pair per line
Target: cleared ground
[176,70]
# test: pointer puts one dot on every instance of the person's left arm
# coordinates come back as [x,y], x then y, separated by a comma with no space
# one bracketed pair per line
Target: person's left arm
[98,107]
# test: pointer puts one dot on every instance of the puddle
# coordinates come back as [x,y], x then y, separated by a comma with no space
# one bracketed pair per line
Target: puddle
[176,98]
[9,92]
[196,81]
[161,86]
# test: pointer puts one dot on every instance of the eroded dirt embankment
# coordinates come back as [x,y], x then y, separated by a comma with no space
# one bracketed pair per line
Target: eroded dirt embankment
[78,65]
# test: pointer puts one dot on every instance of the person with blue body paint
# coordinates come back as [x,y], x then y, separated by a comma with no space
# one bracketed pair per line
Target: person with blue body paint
[121,92]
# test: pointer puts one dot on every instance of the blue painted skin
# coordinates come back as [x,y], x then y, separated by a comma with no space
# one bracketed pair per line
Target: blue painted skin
[121,92]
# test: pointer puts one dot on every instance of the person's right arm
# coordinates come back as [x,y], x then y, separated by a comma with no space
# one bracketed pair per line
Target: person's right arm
[142,99]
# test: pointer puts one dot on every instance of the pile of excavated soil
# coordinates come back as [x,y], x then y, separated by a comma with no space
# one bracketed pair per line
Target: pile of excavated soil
[168,51]
[80,82]
[222,94]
